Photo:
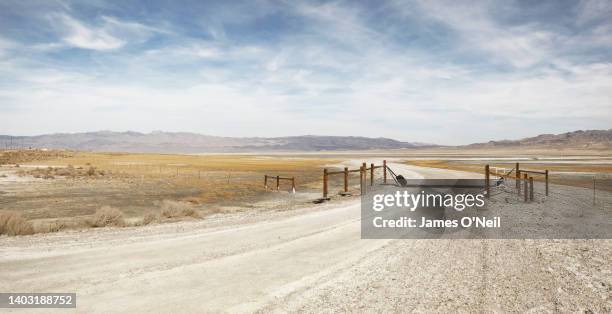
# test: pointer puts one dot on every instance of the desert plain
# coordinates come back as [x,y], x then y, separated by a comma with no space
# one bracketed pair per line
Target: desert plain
[159,232]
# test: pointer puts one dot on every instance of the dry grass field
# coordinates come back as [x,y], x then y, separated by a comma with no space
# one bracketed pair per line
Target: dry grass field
[572,173]
[79,189]
[219,177]
[55,190]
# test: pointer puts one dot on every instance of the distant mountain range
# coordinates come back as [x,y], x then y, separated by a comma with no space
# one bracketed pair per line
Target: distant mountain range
[595,139]
[182,142]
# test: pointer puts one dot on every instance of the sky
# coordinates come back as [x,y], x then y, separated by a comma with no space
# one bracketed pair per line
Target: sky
[445,72]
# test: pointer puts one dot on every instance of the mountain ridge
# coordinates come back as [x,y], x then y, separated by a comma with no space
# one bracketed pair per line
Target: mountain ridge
[596,139]
[187,142]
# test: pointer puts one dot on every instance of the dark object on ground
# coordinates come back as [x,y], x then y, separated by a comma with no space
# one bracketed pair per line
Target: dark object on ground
[321,200]
[401,180]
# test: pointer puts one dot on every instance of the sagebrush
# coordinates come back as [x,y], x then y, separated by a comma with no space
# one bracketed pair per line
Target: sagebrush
[13,223]
[107,216]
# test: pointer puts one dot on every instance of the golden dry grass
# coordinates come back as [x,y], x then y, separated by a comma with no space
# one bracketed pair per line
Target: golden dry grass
[479,166]
[13,223]
[141,189]
[154,164]
[220,177]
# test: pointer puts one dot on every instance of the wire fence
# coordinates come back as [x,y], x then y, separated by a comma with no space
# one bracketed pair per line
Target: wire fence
[595,189]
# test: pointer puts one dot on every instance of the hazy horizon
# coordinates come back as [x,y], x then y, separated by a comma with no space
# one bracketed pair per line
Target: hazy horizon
[437,72]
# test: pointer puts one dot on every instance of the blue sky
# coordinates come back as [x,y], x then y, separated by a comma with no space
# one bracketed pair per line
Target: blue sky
[448,72]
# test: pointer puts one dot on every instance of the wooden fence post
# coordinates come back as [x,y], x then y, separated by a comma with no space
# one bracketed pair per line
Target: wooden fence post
[531,189]
[361,179]
[346,179]
[371,174]
[293,184]
[385,171]
[518,178]
[546,179]
[365,175]
[277,182]
[526,186]
[487,185]
[265,181]
[325,183]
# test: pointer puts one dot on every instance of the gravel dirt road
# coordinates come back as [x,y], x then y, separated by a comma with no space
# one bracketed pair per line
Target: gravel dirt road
[309,259]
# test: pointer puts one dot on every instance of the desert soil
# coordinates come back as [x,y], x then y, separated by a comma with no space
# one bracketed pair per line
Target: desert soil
[311,260]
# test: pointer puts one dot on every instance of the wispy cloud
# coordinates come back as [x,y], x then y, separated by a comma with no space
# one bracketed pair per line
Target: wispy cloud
[109,34]
[80,35]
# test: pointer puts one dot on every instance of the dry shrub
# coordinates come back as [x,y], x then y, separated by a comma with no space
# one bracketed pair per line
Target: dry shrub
[174,209]
[149,218]
[192,200]
[170,210]
[37,173]
[107,216]
[191,212]
[68,172]
[13,223]
[52,226]
[56,226]
[65,172]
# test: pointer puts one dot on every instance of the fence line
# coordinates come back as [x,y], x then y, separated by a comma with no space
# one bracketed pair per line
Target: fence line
[362,175]
[527,181]
[278,179]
